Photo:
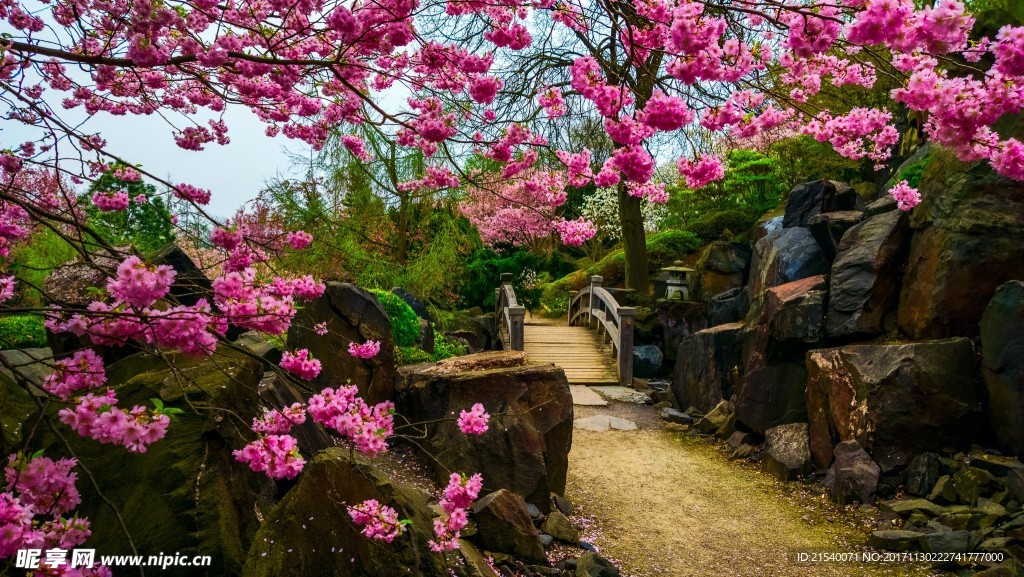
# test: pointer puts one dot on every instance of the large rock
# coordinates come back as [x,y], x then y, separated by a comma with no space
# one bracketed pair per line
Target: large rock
[310,532]
[968,233]
[187,494]
[526,447]
[787,455]
[853,475]
[707,365]
[680,319]
[18,384]
[785,256]
[722,266]
[783,323]
[414,303]
[922,474]
[728,307]
[828,228]
[647,361]
[896,400]
[351,315]
[865,281]
[811,198]
[505,526]
[1002,364]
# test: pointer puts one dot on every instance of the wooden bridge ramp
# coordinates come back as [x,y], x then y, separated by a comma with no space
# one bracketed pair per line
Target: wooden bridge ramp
[580,352]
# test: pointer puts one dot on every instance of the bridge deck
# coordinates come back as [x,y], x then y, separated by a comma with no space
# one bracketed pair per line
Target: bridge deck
[581,353]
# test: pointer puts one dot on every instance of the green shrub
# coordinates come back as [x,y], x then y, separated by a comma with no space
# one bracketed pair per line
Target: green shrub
[405,325]
[22,331]
[411,355]
[445,348]
[664,248]
[711,227]
[912,173]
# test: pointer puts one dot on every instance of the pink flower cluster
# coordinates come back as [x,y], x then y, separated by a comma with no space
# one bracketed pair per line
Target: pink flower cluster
[276,455]
[254,303]
[455,501]
[299,239]
[906,196]
[552,101]
[139,284]
[280,422]
[474,421]
[38,493]
[378,521]
[575,232]
[84,370]
[703,172]
[98,417]
[342,410]
[109,201]
[367,350]
[301,364]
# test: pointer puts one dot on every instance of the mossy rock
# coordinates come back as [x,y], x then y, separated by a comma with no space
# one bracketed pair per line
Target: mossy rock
[310,532]
[186,494]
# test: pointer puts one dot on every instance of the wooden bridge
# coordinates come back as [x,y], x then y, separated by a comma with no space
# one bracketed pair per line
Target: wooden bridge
[593,344]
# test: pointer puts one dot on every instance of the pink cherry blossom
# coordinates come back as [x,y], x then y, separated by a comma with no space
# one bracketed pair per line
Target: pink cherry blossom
[378,521]
[301,364]
[299,239]
[366,350]
[474,422]
[276,455]
[906,197]
[83,370]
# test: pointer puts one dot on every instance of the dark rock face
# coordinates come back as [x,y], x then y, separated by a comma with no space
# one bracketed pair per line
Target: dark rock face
[787,455]
[811,198]
[560,527]
[864,285]
[476,329]
[785,256]
[504,525]
[526,447]
[28,369]
[881,206]
[853,476]
[351,315]
[922,474]
[1002,364]
[187,493]
[722,266]
[896,400]
[781,325]
[310,531]
[720,421]
[828,228]
[767,224]
[680,319]
[707,365]
[968,231]
[647,361]
[728,307]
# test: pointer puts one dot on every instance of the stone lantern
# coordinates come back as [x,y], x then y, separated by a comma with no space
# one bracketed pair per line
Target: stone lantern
[680,278]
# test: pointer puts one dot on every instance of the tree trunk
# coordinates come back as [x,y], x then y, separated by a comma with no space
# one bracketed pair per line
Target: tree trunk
[634,241]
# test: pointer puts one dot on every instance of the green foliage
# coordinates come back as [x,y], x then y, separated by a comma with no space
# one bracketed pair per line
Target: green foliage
[145,225]
[445,348]
[485,267]
[34,260]
[411,355]
[22,331]
[666,247]
[713,226]
[405,325]
[912,173]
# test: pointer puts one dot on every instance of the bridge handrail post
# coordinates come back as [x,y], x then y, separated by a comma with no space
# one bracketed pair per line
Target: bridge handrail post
[595,283]
[517,316]
[625,345]
[572,299]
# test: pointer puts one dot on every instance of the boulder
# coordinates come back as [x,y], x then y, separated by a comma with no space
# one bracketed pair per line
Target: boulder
[785,256]
[560,527]
[670,415]
[1002,365]
[526,446]
[351,315]
[770,222]
[474,327]
[787,455]
[896,540]
[728,307]
[810,198]
[425,339]
[594,565]
[680,319]
[922,474]
[783,323]
[310,531]
[722,266]
[864,284]
[828,228]
[853,475]
[896,400]
[414,303]
[706,367]
[951,542]
[721,420]
[968,231]
[504,525]
[647,361]
[18,384]
[881,206]
[259,345]
[187,494]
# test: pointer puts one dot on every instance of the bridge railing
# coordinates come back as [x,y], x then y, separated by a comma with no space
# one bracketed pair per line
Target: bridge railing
[595,307]
[509,315]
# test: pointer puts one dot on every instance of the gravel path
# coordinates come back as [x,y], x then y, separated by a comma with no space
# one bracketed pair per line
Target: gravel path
[664,503]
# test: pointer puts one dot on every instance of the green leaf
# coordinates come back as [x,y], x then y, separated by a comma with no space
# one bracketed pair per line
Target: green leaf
[158,404]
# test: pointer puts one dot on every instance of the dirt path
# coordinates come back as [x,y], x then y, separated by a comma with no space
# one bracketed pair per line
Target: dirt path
[665,503]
